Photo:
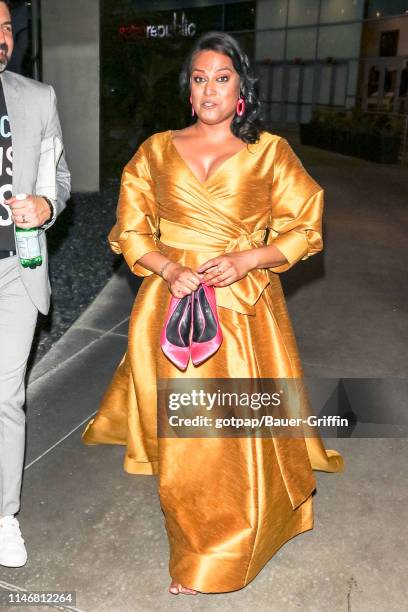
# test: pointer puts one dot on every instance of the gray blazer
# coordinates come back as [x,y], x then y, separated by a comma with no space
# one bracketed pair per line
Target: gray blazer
[39,166]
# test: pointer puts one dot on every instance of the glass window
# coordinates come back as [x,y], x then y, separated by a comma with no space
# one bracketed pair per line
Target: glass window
[145,43]
[373,81]
[270,45]
[389,43]
[305,113]
[270,82]
[352,78]
[265,112]
[264,75]
[275,112]
[341,10]
[246,41]
[403,90]
[308,82]
[153,5]
[382,8]
[284,110]
[240,16]
[293,83]
[291,113]
[325,84]
[339,41]
[303,12]
[271,14]
[340,84]
[277,81]
[301,43]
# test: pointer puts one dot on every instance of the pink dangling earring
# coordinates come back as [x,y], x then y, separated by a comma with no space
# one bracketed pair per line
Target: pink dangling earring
[240,107]
[192,107]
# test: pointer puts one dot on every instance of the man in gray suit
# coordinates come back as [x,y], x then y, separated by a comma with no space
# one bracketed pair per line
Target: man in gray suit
[32,166]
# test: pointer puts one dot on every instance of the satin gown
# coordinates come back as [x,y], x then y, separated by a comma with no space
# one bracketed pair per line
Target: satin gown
[229,503]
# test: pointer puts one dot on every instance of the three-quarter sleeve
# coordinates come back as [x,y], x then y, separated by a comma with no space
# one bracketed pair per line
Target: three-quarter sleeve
[136,229]
[295,226]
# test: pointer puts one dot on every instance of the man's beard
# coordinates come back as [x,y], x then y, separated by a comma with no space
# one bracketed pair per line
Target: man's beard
[4,58]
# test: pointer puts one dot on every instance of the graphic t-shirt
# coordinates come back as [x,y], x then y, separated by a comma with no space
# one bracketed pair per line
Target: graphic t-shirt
[7,242]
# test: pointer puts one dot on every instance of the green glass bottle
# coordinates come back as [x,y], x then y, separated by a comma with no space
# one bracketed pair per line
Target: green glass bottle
[28,243]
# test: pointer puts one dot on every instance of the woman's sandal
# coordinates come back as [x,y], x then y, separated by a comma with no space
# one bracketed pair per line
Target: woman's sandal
[176,588]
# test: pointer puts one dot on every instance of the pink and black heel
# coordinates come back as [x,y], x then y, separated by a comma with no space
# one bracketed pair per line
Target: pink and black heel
[207,334]
[175,333]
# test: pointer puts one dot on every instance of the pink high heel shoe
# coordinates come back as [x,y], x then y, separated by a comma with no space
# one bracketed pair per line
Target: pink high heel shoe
[207,335]
[175,333]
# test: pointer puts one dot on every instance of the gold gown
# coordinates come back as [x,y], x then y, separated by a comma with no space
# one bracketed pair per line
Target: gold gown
[229,503]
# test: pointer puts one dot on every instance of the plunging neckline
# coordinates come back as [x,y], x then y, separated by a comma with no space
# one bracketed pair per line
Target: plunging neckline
[210,176]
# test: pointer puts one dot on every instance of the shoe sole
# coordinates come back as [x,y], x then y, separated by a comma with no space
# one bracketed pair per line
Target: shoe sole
[13,564]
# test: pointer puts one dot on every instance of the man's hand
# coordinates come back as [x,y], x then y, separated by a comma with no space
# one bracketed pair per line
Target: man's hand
[31,212]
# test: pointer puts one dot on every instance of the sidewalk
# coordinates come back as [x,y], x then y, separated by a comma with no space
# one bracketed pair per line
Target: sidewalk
[96,530]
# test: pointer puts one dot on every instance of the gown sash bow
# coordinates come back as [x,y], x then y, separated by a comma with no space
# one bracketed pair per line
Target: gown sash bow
[242,295]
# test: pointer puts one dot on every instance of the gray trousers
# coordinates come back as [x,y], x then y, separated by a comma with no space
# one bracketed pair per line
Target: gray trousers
[18,317]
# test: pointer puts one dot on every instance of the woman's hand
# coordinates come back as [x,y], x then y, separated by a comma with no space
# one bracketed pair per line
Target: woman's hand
[181,280]
[229,268]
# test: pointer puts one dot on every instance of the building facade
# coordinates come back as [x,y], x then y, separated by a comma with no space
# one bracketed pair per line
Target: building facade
[116,62]
[383,83]
[305,53]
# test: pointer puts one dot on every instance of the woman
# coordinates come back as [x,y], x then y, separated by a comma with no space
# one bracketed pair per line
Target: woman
[224,203]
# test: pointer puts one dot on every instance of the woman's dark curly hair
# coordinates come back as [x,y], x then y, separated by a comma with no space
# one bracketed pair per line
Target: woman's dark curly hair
[247,127]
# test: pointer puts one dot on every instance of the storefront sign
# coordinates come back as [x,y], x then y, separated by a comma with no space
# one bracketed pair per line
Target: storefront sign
[178,26]
[185,28]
